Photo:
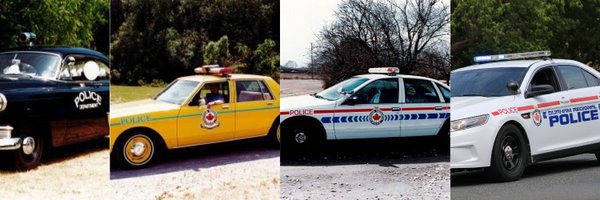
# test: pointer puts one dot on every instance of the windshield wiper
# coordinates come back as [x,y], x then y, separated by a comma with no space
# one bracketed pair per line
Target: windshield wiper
[470,95]
[319,96]
[18,74]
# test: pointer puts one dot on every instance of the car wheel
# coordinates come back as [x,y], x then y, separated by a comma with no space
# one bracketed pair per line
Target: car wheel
[443,138]
[29,156]
[509,155]
[274,136]
[598,156]
[135,151]
[300,138]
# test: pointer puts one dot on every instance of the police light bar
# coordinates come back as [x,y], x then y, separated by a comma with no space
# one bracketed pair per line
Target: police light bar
[384,70]
[513,56]
[213,69]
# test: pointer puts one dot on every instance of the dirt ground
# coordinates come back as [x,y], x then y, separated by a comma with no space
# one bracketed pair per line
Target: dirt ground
[73,172]
[246,169]
[403,168]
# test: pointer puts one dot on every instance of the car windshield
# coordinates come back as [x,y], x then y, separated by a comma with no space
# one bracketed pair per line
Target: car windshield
[335,92]
[177,92]
[488,82]
[30,64]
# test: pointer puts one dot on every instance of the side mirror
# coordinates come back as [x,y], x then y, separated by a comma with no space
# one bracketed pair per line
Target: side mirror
[201,103]
[513,86]
[351,100]
[538,90]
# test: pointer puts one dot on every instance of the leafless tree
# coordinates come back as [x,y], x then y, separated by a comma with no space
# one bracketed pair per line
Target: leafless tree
[372,33]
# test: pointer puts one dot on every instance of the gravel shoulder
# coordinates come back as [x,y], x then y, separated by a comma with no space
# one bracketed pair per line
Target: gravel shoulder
[72,172]
[246,169]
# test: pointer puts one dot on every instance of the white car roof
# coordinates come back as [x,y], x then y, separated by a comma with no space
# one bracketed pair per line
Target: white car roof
[374,76]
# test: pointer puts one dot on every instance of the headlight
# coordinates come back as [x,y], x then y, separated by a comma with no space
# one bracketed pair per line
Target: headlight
[470,122]
[3,102]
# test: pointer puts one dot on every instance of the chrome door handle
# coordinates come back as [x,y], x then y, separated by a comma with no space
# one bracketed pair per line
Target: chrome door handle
[269,103]
[395,108]
[438,108]
[225,106]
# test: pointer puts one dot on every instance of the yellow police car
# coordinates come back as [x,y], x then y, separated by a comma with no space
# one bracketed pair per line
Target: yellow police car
[215,106]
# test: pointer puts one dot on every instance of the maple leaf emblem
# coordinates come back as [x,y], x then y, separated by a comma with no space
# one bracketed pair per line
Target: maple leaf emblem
[210,116]
[376,117]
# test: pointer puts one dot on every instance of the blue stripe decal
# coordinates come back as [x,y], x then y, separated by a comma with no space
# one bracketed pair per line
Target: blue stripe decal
[388,117]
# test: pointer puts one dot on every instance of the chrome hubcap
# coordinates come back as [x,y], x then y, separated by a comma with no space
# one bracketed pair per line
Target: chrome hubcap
[300,137]
[508,152]
[28,145]
[138,149]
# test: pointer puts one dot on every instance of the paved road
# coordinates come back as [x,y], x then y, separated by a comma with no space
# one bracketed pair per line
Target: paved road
[576,177]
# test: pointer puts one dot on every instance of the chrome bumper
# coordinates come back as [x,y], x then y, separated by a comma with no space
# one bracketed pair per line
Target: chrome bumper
[8,143]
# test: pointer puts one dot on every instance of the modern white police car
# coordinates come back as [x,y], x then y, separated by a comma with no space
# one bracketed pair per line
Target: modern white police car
[382,104]
[510,113]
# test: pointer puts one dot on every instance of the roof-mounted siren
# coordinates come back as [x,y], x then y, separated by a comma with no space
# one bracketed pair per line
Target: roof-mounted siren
[384,70]
[512,56]
[27,38]
[213,70]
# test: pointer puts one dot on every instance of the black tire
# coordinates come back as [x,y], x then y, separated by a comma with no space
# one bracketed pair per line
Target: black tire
[509,155]
[135,150]
[301,137]
[598,156]
[29,156]
[443,138]
[274,136]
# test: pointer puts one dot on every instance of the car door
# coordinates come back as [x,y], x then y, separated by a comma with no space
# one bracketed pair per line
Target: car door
[86,96]
[371,112]
[569,115]
[209,123]
[546,136]
[254,108]
[424,109]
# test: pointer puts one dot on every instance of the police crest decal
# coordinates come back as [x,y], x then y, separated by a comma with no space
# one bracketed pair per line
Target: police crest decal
[537,117]
[376,116]
[209,119]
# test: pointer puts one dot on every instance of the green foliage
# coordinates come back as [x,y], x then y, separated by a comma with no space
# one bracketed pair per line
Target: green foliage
[217,52]
[567,28]
[167,39]
[63,23]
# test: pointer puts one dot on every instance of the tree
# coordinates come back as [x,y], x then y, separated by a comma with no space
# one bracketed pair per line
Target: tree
[372,33]
[164,40]
[482,27]
[56,23]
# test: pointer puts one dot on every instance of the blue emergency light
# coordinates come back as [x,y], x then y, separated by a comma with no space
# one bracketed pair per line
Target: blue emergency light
[513,56]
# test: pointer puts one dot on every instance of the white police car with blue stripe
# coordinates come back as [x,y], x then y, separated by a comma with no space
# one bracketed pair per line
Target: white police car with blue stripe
[382,104]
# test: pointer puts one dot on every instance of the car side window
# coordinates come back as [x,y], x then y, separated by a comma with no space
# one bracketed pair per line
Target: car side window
[379,91]
[251,91]
[591,79]
[545,76]
[265,91]
[420,91]
[212,92]
[576,78]
[76,70]
[445,93]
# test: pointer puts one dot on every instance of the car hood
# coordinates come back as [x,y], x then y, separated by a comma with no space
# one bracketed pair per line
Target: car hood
[140,107]
[304,101]
[464,107]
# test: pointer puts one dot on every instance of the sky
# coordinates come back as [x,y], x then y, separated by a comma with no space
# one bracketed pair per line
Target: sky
[301,21]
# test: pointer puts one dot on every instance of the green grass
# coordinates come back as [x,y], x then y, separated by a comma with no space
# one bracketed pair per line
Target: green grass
[122,94]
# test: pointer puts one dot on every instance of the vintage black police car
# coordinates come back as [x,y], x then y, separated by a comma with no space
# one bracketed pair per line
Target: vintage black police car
[50,97]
